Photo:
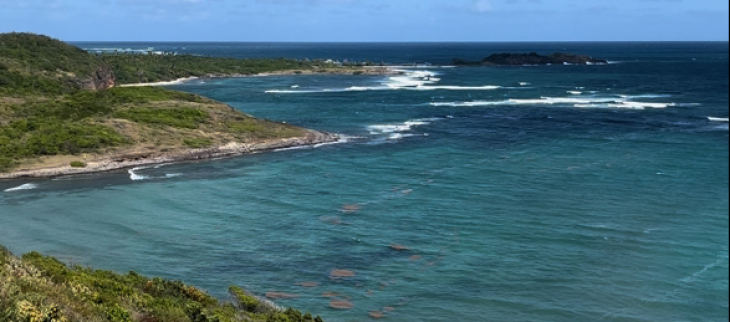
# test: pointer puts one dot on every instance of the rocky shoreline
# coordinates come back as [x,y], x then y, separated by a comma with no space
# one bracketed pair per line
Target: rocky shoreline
[112,161]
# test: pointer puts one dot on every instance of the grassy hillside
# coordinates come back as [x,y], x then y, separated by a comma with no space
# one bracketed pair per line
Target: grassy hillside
[36,288]
[54,101]
[133,119]
[33,64]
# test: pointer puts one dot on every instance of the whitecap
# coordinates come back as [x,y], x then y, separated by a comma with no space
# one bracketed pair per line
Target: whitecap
[137,177]
[717,119]
[645,96]
[27,186]
[394,130]
[173,175]
[581,102]
[575,92]
[525,84]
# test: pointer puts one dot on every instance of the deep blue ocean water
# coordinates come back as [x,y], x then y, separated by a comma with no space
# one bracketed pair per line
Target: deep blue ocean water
[553,193]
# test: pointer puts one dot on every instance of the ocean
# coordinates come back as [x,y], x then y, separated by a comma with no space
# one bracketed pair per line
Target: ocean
[533,193]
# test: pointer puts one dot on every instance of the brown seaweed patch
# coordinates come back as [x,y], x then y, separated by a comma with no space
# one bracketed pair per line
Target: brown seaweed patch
[376,314]
[308,284]
[348,209]
[342,305]
[335,220]
[341,273]
[330,294]
[280,295]
[399,247]
[415,258]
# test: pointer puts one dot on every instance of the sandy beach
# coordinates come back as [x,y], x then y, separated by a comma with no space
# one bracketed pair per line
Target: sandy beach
[367,70]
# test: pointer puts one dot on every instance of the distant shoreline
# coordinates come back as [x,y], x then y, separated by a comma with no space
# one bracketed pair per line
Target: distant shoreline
[365,71]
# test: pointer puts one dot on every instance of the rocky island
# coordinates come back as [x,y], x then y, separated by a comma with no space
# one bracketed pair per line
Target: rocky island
[523,59]
[64,111]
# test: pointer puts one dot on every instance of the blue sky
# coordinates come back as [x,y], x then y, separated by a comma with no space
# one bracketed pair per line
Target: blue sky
[368,20]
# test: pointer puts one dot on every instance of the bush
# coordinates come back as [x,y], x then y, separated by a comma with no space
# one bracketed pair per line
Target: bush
[198,142]
[78,164]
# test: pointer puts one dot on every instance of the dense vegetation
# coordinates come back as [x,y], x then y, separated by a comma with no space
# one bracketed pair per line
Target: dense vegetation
[31,64]
[155,68]
[83,122]
[56,99]
[515,59]
[36,288]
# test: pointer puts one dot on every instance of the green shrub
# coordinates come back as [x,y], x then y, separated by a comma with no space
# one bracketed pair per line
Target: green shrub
[78,164]
[36,137]
[198,142]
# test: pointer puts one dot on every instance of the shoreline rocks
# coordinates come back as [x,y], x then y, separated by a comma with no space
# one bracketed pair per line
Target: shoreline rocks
[112,162]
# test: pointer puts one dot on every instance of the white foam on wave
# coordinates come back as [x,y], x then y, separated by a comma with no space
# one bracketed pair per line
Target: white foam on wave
[627,105]
[27,186]
[645,96]
[580,102]
[173,175]
[525,84]
[397,131]
[137,177]
[717,119]
[575,92]
[399,127]
[417,80]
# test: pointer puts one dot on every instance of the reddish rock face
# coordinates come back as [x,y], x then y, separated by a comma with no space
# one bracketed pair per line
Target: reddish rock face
[102,78]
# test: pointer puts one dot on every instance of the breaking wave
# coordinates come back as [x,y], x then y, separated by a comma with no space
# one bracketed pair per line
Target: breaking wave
[137,177]
[580,102]
[417,80]
[27,186]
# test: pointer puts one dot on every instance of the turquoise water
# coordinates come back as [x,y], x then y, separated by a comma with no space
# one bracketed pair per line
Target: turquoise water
[518,200]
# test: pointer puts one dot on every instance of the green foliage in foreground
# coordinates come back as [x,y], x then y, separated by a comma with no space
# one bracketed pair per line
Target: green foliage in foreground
[36,288]
[154,68]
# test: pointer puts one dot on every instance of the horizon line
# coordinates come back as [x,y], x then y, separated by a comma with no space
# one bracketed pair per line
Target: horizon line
[397,42]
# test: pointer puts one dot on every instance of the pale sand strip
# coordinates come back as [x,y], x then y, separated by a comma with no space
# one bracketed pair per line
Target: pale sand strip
[367,70]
